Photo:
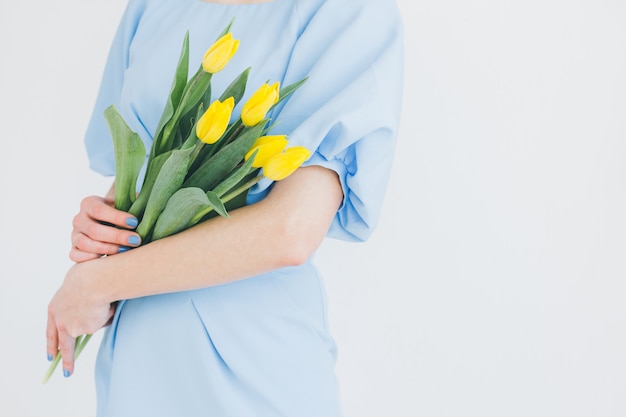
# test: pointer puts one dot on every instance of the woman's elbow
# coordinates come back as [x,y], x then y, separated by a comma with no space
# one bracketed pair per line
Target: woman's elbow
[298,242]
[301,209]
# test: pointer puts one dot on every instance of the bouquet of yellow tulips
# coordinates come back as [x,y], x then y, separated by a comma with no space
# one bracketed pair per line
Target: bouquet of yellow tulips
[200,164]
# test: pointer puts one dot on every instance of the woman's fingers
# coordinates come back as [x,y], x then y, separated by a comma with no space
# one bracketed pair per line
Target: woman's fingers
[99,229]
[75,310]
[60,341]
[67,345]
[85,247]
[103,240]
[52,340]
[80,256]
[102,210]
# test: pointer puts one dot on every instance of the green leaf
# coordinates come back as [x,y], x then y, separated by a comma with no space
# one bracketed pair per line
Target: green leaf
[188,122]
[216,204]
[185,208]
[288,90]
[227,28]
[154,167]
[168,181]
[214,169]
[237,88]
[191,98]
[179,212]
[238,196]
[176,93]
[235,177]
[237,201]
[130,154]
[195,92]
[192,138]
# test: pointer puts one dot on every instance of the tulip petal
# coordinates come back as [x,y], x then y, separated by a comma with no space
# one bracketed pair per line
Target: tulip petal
[220,53]
[214,121]
[257,106]
[266,147]
[282,165]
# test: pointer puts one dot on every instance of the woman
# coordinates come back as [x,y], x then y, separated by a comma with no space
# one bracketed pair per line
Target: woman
[228,318]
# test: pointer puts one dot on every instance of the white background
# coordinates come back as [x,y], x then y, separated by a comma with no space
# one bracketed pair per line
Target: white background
[494,285]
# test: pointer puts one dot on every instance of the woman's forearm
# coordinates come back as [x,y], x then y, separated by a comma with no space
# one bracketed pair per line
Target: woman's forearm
[281,230]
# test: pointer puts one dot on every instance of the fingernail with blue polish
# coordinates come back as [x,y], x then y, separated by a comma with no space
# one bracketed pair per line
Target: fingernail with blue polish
[50,357]
[123,249]
[134,240]
[66,373]
[132,222]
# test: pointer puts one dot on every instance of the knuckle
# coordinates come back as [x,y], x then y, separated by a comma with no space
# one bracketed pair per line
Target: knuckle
[51,334]
[75,255]
[99,211]
[62,328]
[79,241]
[91,229]
[66,351]
[110,249]
[66,347]
[86,202]
[76,221]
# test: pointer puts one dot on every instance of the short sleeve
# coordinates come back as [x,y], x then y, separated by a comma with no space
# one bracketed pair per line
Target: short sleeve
[97,139]
[349,109]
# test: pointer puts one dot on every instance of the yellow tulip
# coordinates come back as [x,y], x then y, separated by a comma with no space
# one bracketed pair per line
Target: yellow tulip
[259,104]
[213,123]
[218,55]
[282,165]
[267,147]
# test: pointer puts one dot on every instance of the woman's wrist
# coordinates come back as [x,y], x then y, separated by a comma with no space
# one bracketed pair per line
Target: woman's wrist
[94,281]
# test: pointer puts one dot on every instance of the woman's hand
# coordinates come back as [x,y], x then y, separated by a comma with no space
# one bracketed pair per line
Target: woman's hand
[76,309]
[94,233]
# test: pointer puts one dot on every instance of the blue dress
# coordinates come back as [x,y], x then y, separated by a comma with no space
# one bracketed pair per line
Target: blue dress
[261,346]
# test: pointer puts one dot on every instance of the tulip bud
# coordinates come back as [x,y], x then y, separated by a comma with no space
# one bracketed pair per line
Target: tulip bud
[282,165]
[213,123]
[267,146]
[259,104]
[218,55]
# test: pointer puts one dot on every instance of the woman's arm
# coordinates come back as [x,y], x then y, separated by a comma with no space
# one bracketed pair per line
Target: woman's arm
[283,229]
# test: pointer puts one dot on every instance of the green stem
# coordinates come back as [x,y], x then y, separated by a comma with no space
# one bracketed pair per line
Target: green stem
[80,346]
[233,131]
[196,152]
[237,127]
[227,197]
[52,367]
[242,188]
